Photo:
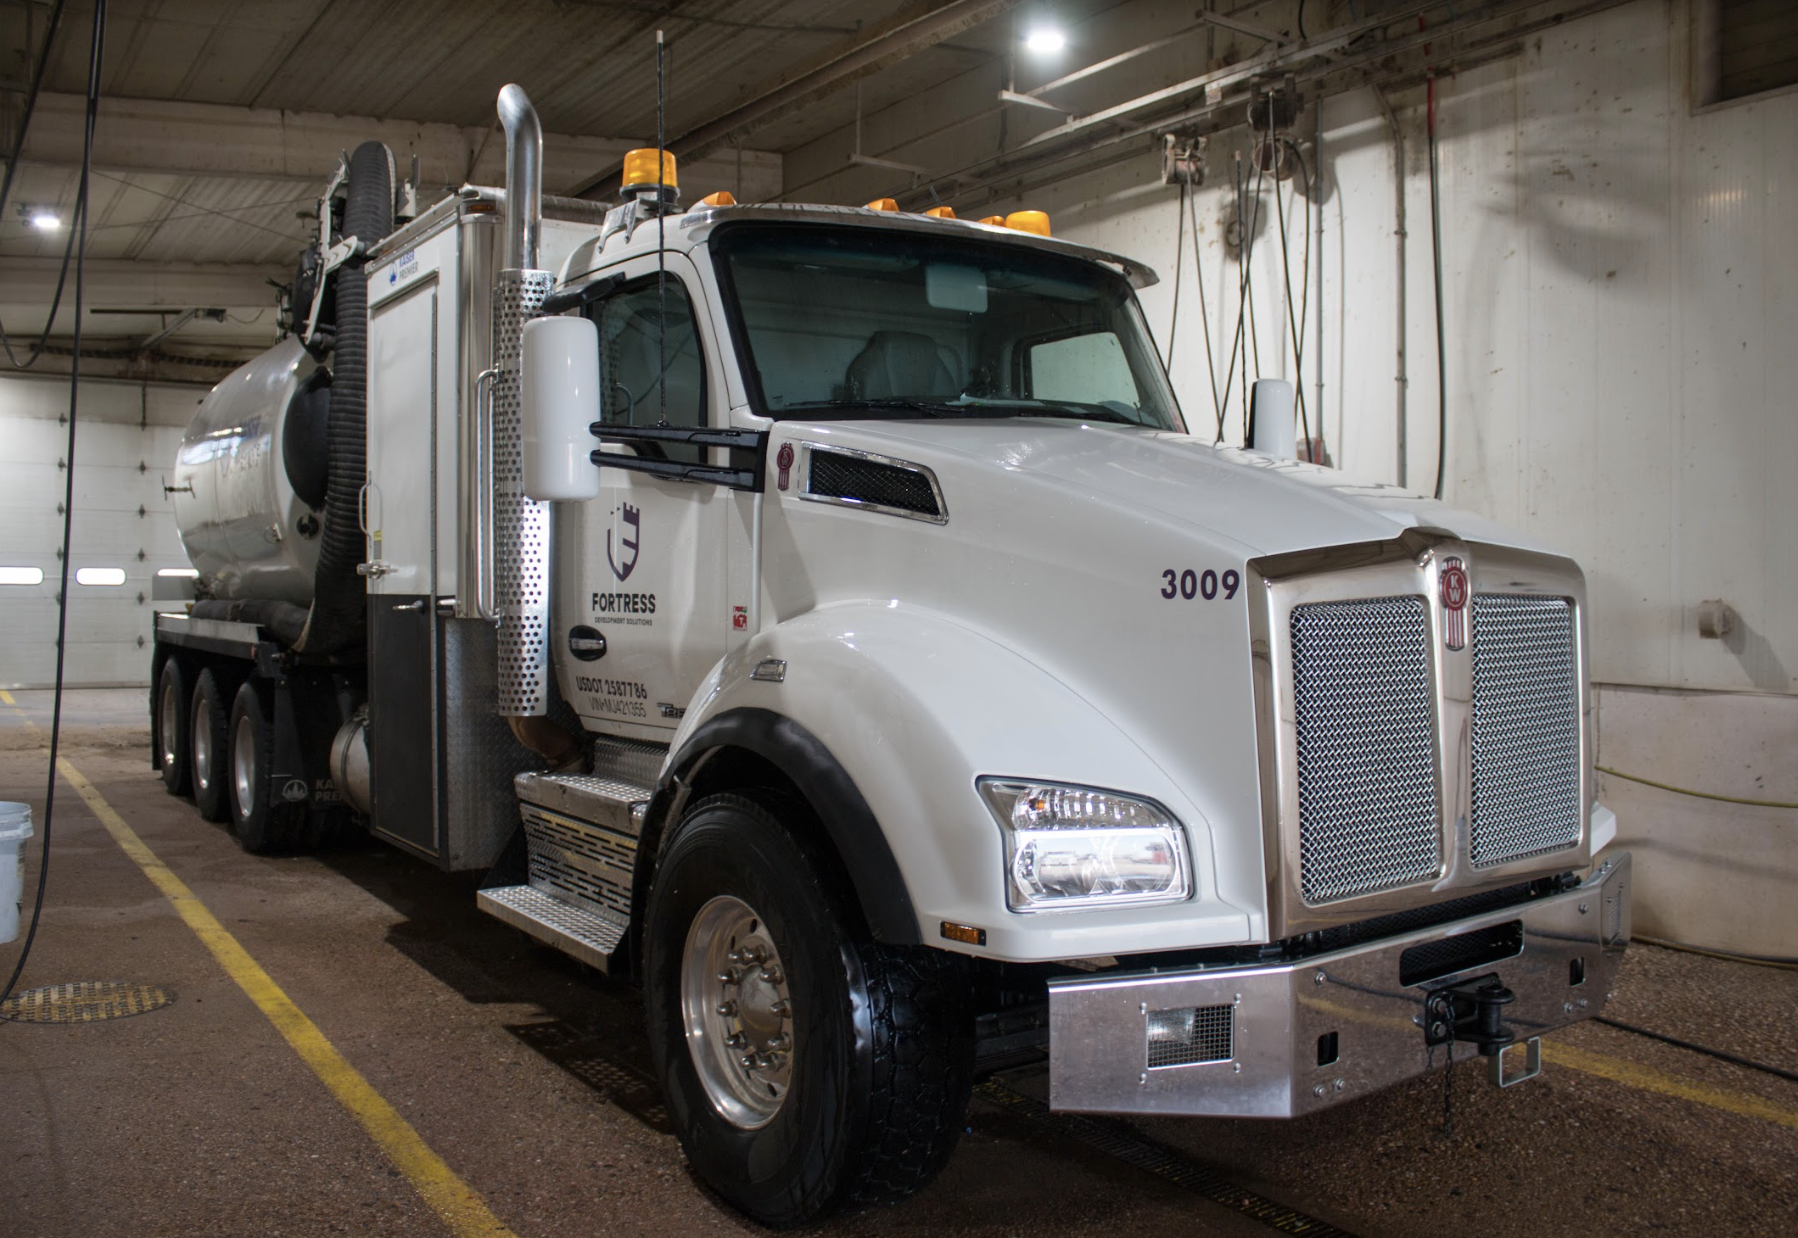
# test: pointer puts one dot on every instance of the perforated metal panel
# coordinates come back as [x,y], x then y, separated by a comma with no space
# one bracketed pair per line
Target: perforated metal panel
[581,863]
[1364,709]
[1526,749]
[1190,1035]
[520,526]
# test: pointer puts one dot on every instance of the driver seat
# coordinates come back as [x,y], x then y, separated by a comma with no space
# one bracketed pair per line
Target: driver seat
[900,363]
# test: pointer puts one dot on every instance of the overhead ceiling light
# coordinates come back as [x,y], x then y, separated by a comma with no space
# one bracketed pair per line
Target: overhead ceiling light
[1045,40]
[44,219]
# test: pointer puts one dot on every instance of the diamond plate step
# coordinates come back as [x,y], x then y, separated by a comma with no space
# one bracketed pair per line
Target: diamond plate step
[632,760]
[569,929]
[609,802]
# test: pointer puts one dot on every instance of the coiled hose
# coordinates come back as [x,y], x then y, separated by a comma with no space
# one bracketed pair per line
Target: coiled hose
[338,593]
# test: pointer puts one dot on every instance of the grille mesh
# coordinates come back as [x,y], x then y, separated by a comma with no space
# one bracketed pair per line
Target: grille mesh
[1526,784]
[1366,747]
[838,476]
[1190,1035]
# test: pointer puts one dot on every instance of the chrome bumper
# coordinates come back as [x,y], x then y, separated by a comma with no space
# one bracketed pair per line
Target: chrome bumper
[1277,1042]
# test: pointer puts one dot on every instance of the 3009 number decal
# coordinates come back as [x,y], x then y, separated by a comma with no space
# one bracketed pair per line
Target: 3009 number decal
[1206,584]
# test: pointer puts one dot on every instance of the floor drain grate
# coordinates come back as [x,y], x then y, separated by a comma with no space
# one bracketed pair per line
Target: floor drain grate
[86,1001]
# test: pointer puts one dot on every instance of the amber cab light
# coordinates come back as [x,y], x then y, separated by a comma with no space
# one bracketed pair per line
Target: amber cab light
[1028,221]
[650,166]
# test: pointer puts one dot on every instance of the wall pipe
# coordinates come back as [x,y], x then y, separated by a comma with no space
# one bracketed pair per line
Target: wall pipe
[1398,192]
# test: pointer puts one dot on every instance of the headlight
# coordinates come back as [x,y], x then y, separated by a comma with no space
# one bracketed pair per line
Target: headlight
[1068,848]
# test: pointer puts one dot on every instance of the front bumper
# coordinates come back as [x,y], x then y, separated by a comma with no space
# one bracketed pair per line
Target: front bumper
[1280,1041]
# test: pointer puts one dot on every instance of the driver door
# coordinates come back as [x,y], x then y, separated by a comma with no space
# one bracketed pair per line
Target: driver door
[648,619]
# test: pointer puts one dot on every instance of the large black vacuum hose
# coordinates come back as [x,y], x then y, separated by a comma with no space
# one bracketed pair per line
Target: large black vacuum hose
[338,593]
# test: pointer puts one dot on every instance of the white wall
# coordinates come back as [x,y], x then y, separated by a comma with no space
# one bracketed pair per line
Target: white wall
[126,437]
[1622,351]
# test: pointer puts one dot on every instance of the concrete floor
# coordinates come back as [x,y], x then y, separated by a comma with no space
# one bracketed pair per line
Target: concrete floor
[529,1077]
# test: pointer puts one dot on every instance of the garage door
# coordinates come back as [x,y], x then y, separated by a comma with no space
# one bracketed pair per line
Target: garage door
[124,533]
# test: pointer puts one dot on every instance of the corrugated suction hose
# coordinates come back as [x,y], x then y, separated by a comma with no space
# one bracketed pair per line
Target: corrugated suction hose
[338,592]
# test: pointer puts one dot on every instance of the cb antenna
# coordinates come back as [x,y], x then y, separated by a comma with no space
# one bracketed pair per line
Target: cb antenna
[661,250]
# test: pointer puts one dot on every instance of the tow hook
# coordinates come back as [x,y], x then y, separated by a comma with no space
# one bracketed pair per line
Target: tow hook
[1470,1012]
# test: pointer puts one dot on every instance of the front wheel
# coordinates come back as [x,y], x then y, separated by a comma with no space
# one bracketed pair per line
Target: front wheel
[805,1066]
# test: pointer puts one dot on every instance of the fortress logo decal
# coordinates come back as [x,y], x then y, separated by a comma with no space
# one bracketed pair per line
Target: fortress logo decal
[628,537]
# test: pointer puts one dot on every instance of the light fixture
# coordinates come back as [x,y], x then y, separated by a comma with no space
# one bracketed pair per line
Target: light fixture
[43,219]
[1045,40]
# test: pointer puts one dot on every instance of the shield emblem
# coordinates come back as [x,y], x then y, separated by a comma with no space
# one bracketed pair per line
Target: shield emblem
[628,538]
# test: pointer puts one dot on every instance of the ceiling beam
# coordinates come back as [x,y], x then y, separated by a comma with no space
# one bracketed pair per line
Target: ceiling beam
[31,282]
[910,31]
[220,141]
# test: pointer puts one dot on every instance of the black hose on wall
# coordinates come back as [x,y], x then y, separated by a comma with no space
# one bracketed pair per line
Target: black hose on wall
[338,592]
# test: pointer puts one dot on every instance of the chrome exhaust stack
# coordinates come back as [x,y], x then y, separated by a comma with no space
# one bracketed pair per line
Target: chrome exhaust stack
[524,178]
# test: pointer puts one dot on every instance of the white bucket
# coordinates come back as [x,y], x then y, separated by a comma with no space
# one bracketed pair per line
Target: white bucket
[15,828]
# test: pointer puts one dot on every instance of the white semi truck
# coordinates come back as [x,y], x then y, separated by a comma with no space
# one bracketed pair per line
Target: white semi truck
[823,617]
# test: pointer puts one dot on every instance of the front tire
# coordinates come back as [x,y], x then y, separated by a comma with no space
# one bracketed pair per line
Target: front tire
[263,826]
[805,1066]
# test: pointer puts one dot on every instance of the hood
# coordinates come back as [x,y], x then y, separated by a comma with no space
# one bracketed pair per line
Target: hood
[1266,506]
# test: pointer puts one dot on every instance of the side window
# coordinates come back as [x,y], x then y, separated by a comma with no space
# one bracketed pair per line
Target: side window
[1082,369]
[646,359]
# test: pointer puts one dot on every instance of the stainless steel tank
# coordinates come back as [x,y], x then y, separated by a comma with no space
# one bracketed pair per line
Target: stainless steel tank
[244,526]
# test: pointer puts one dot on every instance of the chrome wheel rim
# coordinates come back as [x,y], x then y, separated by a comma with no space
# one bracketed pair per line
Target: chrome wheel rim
[168,724]
[737,1012]
[202,749]
[243,765]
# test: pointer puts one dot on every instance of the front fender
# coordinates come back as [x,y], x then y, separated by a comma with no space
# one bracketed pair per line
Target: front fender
[913,707]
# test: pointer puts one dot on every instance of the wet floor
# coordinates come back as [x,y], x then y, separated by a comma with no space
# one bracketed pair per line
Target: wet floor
[529,1076]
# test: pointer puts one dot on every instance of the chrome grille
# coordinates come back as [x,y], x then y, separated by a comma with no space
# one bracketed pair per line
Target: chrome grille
[1526,729]
[1363,705]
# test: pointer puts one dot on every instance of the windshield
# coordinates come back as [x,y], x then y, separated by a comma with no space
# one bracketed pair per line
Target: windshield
[859,322]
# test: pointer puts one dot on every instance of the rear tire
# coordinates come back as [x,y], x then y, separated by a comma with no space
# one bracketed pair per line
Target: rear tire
[263,826]
[207,744]
[862,1053]
[173,727]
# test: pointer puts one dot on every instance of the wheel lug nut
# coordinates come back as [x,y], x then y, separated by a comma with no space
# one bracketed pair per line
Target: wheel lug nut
[737,1040]
[773,975]
[781,1008]
[780,1042]
[729,975]
[728,1009]
[747,1061]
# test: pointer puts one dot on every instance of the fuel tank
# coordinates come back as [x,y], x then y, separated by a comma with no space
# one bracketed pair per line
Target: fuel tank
[250,478]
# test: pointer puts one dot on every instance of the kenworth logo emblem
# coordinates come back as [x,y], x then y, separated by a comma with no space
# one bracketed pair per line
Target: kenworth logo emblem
[1454,604]
[628,539]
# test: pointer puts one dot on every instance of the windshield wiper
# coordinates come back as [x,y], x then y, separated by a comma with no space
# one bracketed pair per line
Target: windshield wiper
[882,405]
[974,409]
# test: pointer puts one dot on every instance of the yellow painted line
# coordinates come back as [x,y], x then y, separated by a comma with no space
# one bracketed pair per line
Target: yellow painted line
[1632,1075]
[460,1206]
[7,697]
